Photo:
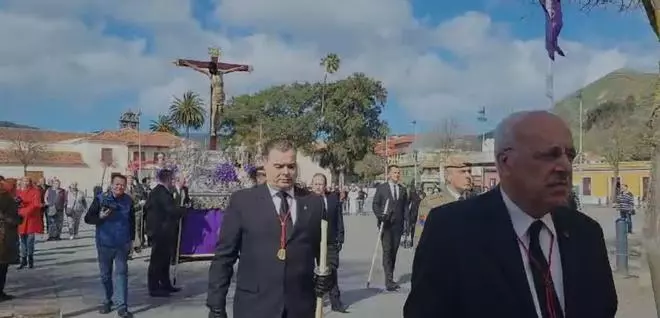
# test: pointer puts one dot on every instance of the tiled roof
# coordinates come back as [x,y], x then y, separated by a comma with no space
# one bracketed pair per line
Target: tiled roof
[130,137]
[46,158]
[43,136]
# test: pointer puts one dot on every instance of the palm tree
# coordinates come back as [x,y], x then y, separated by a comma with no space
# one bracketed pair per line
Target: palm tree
[330,65]
[163,124]
[188,112]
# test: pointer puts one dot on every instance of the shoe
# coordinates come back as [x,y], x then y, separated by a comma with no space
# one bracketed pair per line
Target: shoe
[124,313]
[23,263]
[106,308]
[340,308]
[72,237]
[172,289]
[5,297]
[392,286]
[159,293]
[30,261]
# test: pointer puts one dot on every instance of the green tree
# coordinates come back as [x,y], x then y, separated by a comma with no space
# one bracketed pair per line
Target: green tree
[188,112]
[351,124]
[285,111]
[163,124]
[370,166]
[612,121]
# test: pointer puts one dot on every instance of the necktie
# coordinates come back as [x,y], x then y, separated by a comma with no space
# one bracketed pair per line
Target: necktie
[550,308]
[284,210]
[395,193]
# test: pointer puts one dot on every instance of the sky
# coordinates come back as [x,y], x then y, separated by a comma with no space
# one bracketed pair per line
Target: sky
[76,65]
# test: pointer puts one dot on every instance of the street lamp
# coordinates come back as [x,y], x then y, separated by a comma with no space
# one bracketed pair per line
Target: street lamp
[414,151]
[139,113]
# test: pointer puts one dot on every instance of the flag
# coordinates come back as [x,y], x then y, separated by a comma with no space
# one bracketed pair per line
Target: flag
[653,13]
[553,24]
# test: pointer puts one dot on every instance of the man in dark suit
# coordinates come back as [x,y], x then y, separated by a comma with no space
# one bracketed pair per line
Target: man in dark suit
[276,230]
[335,228]
[163,215]
[393,220]
[517,250]
[181,196]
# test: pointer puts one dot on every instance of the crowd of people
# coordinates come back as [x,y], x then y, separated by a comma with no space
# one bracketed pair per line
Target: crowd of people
[524,240]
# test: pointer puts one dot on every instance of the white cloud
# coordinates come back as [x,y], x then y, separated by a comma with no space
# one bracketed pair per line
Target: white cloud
[434,71]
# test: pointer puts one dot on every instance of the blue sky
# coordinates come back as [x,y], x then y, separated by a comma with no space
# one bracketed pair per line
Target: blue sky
[114,59]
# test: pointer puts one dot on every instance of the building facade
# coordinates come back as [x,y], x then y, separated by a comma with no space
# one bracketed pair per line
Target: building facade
[595,182]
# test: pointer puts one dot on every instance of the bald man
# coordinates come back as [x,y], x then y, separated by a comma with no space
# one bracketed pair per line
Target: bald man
[517,250]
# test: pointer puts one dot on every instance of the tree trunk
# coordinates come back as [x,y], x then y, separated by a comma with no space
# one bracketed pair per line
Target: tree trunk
[25,170]
[651,232]
[187,132]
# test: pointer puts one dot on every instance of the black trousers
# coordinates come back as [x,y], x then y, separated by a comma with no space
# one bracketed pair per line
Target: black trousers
[158,276]
[335,295]
[3,276]
[390,241]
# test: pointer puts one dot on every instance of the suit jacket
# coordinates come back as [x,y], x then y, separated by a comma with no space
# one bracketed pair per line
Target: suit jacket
[468,264]
[265,285]
[335,217]
[181,196]
[397,210]
[163,213]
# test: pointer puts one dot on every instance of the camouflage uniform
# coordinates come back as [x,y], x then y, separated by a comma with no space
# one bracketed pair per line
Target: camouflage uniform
[436,199]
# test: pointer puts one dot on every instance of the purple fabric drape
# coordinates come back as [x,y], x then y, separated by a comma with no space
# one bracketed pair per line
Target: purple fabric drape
[553,23]
[200,231]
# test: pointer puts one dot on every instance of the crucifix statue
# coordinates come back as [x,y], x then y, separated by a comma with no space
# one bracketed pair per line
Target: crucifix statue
[215,70]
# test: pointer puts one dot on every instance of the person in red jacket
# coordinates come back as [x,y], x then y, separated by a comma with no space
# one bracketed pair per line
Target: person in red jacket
[33,223]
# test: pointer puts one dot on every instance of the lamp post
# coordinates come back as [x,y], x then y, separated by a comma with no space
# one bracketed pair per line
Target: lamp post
[139,113]
[481,116]
[581,129]
[414,151]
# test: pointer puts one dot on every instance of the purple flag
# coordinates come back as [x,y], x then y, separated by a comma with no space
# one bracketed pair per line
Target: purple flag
[553,24]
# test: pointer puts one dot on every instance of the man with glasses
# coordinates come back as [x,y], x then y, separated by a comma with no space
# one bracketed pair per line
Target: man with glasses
[517,250]
[114,217]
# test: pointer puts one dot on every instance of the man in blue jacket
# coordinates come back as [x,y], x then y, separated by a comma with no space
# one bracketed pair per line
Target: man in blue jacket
[113,214]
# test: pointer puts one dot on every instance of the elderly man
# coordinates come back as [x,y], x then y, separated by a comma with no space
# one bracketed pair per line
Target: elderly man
[517,250]
[458,181]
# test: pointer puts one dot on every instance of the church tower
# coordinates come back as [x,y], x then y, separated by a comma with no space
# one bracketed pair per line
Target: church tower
[129,120]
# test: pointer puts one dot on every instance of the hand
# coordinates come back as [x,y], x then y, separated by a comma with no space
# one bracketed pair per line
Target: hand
[105,212]
[323,284]
[142,202]
[217,313]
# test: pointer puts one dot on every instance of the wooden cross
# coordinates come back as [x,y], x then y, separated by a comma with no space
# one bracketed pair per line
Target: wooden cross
[214,69]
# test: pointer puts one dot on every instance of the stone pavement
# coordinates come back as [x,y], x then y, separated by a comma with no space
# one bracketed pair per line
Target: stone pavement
[66,276]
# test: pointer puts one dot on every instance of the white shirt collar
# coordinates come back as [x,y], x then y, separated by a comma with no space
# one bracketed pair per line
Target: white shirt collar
[522,221]
[273,191]
[453,193]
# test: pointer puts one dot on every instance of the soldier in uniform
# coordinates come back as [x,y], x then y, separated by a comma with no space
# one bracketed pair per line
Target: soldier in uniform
[458,182]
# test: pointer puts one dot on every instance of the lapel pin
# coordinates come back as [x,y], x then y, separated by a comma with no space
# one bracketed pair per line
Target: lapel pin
[566,235]
[304,207]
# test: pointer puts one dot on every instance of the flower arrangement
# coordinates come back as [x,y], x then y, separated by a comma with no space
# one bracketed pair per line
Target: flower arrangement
[249,168]
[226,173]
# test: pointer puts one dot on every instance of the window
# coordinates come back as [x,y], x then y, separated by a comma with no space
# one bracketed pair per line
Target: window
[645,187]
[586,186]
[137,157]
[106,155]
[156,156]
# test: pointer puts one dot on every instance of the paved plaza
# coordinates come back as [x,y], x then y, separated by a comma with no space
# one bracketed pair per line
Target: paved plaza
[66,276]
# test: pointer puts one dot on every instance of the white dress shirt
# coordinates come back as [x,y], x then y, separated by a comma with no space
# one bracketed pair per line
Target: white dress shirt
[521,222]
[277,201]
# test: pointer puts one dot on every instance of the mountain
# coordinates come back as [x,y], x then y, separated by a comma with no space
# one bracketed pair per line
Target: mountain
[615,86]
[9,124]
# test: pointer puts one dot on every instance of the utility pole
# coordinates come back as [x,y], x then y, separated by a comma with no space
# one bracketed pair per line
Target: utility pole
[481,116]
[581,129]
[414,151]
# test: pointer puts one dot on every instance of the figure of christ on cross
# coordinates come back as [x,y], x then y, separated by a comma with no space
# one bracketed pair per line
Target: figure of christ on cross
[215,70]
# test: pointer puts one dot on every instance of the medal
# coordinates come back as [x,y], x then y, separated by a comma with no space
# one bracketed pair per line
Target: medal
[281,254]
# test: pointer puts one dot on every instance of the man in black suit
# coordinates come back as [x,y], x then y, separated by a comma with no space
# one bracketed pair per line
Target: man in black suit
[276,230]
[163,215]
[181,196]
[517,250]
[393,220]
[336,229]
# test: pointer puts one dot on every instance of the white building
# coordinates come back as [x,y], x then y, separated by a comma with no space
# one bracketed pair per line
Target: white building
[88,159]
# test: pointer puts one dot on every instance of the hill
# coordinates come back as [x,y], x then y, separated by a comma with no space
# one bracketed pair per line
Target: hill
[9,124]
[615,86]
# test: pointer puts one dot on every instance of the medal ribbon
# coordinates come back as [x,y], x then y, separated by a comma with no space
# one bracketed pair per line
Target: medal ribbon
[283,227]
[547,276]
